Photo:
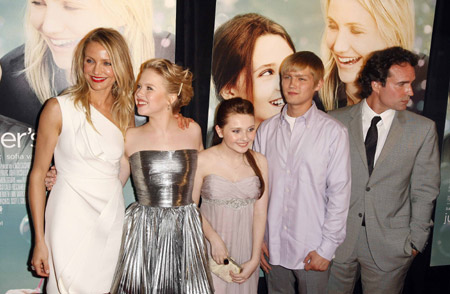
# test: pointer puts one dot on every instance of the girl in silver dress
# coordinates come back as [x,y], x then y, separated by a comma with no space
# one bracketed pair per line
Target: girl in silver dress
[163,248]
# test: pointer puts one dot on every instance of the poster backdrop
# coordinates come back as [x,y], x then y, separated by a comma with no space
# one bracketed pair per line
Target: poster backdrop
[342,32]
[440,250]
[37,39]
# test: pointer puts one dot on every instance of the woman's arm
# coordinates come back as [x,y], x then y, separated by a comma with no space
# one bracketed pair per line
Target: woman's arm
[200,141]
[124,172]
[219,251]
[260,210]
[259,225]
[50,124]
[197,136]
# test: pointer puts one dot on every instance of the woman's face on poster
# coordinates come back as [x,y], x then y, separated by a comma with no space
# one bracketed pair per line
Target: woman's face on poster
[63,24]
[269,51]
[351,35]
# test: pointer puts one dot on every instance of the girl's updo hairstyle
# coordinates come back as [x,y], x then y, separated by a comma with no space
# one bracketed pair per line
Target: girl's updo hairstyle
[178,80]
[227,108]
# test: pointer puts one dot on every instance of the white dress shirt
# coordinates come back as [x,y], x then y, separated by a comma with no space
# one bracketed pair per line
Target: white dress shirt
[383,126]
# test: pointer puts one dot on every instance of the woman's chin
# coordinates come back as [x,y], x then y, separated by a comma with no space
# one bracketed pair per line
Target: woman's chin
[349,75]
[63,61]
[347,78]
[64,65]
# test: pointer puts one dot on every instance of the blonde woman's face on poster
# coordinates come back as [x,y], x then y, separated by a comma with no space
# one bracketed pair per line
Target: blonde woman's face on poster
[270,50]
[351,35]
[63,24]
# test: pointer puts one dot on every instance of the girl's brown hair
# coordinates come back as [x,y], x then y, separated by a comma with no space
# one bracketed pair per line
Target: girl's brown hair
[227,108]
[234,43]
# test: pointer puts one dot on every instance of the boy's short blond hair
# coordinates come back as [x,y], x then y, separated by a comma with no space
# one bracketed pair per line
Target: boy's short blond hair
[301,60]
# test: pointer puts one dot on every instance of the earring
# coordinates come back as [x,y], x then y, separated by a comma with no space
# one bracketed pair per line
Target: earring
[168,107]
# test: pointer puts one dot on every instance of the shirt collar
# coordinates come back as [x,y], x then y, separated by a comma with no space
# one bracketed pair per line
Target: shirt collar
[307,117]
[386,117]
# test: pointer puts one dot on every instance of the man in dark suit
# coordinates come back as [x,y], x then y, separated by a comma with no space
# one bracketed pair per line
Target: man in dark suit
[395,178]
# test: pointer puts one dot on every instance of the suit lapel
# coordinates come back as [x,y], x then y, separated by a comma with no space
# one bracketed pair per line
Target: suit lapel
[355,129]
[393,137]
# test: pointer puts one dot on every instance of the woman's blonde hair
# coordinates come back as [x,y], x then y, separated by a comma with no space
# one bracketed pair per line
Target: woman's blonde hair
[137,19]
[395,22]
[178,80]
[114,43]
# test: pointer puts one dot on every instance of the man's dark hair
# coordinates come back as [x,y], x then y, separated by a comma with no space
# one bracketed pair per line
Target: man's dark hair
[378,65]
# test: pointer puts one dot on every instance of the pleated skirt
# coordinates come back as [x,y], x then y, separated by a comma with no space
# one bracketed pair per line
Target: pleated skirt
[163,251]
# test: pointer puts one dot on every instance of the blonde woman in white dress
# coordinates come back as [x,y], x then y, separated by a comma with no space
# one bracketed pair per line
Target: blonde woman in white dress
[84,131]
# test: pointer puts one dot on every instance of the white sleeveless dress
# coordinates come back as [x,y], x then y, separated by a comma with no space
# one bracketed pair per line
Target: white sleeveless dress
[85,210]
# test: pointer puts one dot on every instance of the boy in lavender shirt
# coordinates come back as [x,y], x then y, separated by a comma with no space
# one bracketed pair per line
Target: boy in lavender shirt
[309,183]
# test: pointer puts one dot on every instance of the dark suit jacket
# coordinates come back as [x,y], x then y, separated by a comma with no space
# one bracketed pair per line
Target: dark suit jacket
[398,198]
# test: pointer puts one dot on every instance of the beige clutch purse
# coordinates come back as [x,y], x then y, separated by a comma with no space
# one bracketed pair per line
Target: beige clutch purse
[223,270]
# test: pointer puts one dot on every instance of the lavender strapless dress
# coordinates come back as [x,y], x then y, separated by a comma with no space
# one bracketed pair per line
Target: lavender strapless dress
[228,206]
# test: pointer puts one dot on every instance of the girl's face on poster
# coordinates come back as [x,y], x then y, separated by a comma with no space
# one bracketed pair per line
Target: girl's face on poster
[63,24]
[351,35]
[270,50]
[151,94]
[239,132]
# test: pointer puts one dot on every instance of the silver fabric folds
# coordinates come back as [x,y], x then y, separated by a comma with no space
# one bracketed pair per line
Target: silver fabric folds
[163,248]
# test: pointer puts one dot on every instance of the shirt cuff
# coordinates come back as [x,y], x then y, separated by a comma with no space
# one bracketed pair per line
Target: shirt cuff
[327,249]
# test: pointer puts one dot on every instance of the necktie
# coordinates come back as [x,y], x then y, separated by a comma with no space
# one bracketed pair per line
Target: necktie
[371,142]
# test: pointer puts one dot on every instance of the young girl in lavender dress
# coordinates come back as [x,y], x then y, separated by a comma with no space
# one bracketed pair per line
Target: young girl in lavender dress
[232,181]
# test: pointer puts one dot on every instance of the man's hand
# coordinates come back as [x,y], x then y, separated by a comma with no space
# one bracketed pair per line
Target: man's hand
[313,261]
[414,252]
[263,262]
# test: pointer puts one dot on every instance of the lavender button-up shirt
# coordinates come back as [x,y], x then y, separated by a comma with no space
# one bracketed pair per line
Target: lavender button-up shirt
[309,185]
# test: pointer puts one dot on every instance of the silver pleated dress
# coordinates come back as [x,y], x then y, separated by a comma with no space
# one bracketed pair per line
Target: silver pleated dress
[163,246]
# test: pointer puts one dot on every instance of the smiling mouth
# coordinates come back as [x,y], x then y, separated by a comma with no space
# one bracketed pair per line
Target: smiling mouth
[97,79]
[348,60]
[141,103]
[63,43]
[279,102]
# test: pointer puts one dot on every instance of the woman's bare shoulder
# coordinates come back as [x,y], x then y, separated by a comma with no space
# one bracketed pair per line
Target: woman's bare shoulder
[208,156]
[133,131]
[260,158]
[194,129]
[51,110]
